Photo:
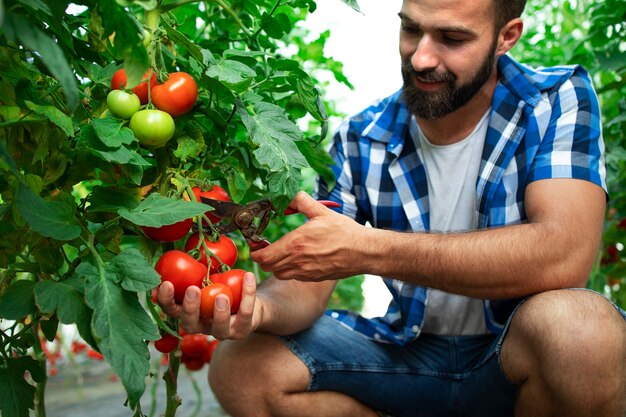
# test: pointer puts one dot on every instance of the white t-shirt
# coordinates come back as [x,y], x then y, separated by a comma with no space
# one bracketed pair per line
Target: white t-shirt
[452,171]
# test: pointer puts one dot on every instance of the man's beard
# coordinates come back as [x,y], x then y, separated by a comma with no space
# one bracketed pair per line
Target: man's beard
[435,105]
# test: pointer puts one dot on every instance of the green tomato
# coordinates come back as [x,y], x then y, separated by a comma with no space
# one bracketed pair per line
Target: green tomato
[123,104]
[153,128]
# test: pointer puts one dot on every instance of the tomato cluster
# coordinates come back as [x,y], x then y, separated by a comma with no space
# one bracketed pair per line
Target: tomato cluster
[210,266]
[172,98]
[196,349]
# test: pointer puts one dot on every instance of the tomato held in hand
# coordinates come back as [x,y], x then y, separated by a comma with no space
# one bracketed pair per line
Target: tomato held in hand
[123,104]
[208,295]
[177,95]
[233,279]
[216,193]
[153,128]
[181,270]
[224,249]
[166,344]
[118,82]
[170,232]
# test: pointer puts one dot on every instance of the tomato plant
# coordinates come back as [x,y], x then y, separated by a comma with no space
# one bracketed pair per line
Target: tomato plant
[123,104]
[153,128]
[223,250]
[233,279]
[79,188]
[181,270]
[208,295]
[120,79]
[177,95]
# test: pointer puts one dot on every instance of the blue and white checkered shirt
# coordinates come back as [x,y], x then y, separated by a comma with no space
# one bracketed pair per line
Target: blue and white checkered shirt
[544,123]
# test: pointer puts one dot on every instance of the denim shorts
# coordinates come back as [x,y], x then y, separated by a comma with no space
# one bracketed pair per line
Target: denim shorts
[431,377]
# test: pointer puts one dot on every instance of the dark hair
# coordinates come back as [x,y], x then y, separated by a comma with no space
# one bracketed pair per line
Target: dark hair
[507,10]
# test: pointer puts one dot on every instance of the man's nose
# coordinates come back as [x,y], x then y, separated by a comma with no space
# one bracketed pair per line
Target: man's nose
[425,57]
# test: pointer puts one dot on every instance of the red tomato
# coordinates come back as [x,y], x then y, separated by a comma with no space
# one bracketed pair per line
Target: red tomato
[233,279]
[209,352]
[208,295]
[118,82]
[170,232]
[194,345]
[224,249]
[193,364]
[216,193]
[181,270]
[166,344]
[177,95]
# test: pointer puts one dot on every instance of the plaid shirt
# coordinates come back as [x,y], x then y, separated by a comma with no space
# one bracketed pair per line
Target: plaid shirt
[544,123]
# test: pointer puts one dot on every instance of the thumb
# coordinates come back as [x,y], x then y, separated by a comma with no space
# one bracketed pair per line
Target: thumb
[307,205]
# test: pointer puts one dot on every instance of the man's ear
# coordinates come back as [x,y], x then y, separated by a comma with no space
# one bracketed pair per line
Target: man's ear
[509,35]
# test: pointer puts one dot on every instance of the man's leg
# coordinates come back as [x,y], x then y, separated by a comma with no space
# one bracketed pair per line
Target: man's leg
[259,376]
[567,350]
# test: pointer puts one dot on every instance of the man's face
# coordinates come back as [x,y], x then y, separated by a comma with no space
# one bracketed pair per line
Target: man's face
[448,50]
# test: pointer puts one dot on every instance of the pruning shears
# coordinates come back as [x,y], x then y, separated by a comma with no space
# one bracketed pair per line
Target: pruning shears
[250,219]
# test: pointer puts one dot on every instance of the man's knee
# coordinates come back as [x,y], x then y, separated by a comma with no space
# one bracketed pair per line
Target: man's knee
[564,333]
[258,369]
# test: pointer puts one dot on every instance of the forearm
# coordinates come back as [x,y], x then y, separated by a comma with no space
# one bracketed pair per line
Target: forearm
[498,263]
[291,306]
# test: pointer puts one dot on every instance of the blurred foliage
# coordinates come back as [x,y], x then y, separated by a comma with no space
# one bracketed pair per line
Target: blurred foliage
[592,34]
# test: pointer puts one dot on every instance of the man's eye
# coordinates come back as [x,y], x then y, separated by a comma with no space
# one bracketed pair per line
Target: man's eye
[453,41]
[410,29]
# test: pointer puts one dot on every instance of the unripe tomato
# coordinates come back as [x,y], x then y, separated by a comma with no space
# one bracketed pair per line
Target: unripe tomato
[170,232]
[118,82]
[181,270]
[208,295]
[153,128]
[123,104]
[177,95]
[224,249]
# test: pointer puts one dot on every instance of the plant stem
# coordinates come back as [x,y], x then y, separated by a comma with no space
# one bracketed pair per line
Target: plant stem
[171,6]
[236,18]
[171,379]
[40,387]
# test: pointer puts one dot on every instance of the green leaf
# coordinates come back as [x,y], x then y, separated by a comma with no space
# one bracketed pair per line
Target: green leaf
[111,199]
[234,74]
[17,395]
[157,210]
[66,299]
[17,27]
[54,219]
[353,4]
[180,39]
[275,135]
[310,97]
[18,301]
[37,5]
[49,328]
[56,116]
[146,4]
[121,327]
[319,160]
[134,272]
[112,132]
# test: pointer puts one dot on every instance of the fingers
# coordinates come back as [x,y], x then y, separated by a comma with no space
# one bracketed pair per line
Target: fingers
[190,315]
[222,325]
[165,297]
[307,205]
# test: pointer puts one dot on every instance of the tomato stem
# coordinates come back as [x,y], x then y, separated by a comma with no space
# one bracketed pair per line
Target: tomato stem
[40,387]
[171,378]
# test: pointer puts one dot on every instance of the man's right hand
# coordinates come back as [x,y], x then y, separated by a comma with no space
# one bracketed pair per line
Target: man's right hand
[223,325]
